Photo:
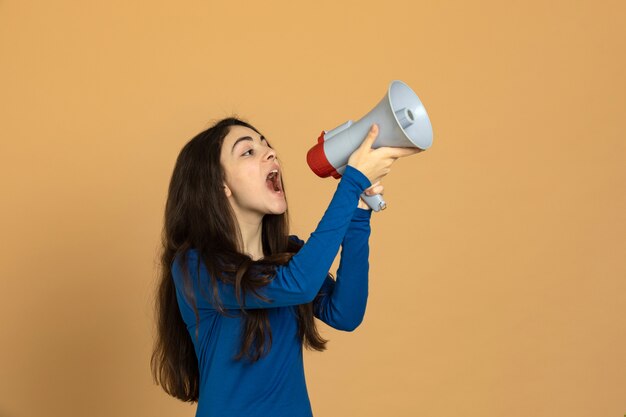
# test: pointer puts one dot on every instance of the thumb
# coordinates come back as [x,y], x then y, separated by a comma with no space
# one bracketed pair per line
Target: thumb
[370,138]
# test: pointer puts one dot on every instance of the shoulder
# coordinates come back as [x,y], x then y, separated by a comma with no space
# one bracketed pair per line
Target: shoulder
[186,257]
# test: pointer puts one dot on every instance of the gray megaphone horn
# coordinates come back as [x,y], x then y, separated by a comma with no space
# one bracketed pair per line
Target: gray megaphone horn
[402,122]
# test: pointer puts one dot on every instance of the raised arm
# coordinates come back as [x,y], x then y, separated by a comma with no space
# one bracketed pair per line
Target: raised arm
[341,304]
[299,281]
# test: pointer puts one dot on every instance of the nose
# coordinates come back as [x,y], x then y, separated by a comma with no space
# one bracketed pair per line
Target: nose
[271,154]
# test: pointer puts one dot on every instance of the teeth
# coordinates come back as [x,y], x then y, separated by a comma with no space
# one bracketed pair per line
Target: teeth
[272,174]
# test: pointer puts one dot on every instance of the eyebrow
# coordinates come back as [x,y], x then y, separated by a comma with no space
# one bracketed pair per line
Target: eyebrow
[247,138]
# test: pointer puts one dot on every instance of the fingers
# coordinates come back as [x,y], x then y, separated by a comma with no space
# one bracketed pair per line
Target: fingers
[376,163]
[402,152]
[375,188]
[371,137]
[396,153]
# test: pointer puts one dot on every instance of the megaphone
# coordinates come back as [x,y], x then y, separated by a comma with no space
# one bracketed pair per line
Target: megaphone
[402,122]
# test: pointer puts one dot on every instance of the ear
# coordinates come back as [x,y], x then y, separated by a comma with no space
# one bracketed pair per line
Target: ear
[227,191]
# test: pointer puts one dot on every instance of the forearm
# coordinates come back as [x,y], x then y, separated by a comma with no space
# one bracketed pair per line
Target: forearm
[299,281]
[306,271]
[344,306]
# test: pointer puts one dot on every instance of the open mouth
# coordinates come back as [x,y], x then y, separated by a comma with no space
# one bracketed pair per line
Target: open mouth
[273,181]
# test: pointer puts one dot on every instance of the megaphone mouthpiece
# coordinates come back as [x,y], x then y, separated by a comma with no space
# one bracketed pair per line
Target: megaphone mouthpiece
[316,158]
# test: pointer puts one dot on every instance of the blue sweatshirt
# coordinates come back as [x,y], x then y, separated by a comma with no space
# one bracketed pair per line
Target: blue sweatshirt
[275,386]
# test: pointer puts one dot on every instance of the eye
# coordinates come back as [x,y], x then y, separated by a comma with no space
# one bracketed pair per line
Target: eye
[248,152]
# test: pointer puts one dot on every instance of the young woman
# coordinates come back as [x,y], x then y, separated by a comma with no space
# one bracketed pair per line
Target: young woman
[238,295]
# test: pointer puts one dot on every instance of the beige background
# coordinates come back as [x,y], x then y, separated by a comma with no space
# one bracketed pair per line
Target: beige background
[497,273]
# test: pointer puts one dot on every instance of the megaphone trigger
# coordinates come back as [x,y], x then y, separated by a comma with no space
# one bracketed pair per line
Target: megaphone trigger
[375,202]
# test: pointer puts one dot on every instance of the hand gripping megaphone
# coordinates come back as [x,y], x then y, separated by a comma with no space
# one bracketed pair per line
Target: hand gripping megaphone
[402,122]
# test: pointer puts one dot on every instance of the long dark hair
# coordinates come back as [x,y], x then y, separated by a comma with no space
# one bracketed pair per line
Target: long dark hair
[199,216]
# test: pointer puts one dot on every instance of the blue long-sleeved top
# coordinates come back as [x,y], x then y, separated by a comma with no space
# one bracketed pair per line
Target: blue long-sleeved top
[274,386]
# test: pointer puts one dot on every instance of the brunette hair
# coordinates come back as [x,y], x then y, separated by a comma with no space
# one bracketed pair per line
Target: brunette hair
[198,216]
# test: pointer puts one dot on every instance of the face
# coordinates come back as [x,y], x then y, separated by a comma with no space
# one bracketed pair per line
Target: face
[252,182]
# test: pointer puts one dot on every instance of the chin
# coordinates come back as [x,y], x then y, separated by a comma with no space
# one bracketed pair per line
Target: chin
[278,209]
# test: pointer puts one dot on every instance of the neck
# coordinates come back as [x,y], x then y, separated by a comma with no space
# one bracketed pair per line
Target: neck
[251,228]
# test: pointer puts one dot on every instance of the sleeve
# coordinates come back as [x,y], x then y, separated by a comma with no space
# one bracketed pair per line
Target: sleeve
[341,304]
[299,281]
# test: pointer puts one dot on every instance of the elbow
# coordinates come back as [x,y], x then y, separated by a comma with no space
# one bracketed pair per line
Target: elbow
[350,328]
[349,325]
[308,295]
